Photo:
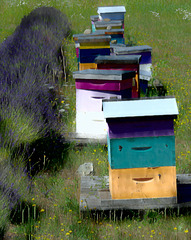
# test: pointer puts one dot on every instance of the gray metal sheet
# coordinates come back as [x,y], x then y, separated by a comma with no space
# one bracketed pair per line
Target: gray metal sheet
[121,59]
[103,74]
[134,49]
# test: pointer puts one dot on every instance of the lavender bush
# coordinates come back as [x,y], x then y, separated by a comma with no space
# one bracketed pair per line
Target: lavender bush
[28,59]
[28,100]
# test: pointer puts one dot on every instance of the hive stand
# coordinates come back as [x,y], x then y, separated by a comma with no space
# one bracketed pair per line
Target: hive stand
[95,195]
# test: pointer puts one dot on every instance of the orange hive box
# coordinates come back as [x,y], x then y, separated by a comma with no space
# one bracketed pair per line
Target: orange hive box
[158,182]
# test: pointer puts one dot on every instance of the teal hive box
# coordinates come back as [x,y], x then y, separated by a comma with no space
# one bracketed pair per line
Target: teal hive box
[141,152]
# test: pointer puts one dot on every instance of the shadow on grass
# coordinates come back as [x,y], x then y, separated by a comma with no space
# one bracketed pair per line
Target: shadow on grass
[48,153]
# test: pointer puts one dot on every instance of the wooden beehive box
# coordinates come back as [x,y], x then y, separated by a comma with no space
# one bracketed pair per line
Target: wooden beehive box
[112,13]
[91,47]
[112,24]
[122,62]
[77,47]
[145,64]
[141,142]
[104,80]
[142,183]
[144,51]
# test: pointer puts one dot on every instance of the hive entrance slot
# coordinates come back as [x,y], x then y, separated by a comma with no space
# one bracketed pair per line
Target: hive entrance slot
[141,148]
[142,179]
[98,97]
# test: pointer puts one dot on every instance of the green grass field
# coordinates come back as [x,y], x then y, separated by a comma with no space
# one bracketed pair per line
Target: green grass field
[51,211]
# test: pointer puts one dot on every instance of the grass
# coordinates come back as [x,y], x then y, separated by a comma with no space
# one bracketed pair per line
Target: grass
[51,207]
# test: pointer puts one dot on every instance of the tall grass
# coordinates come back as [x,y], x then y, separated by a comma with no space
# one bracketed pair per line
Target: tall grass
[49,207]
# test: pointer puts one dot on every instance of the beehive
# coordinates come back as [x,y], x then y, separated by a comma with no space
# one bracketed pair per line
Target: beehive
[123,62]
[141,146]
[90,48]
[145,64]
[112,13]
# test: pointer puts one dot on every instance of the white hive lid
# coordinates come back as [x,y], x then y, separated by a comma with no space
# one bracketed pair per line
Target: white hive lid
[159,106]
[111,9]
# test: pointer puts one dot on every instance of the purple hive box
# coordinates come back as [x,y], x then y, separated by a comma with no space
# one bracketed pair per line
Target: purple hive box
[144,117]
[143,127]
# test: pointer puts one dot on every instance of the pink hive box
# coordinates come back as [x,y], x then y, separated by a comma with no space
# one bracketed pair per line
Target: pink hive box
[91,100]
[103,80]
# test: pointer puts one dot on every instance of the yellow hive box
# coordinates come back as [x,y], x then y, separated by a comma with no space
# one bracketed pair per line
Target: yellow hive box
[84,66]
[136,183]
[94,45]
[96,42]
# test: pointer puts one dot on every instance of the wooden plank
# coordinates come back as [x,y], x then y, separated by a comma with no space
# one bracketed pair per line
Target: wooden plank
[184,178]
[147,203]
[94,183]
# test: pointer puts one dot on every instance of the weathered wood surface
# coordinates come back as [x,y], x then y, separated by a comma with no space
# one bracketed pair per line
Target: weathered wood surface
[183,178]
[95,195]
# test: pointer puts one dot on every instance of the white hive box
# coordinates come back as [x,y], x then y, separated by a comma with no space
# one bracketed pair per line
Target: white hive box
[90,124]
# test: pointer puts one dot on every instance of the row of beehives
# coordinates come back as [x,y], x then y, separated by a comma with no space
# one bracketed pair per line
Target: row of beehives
[129,69]
[140,132]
